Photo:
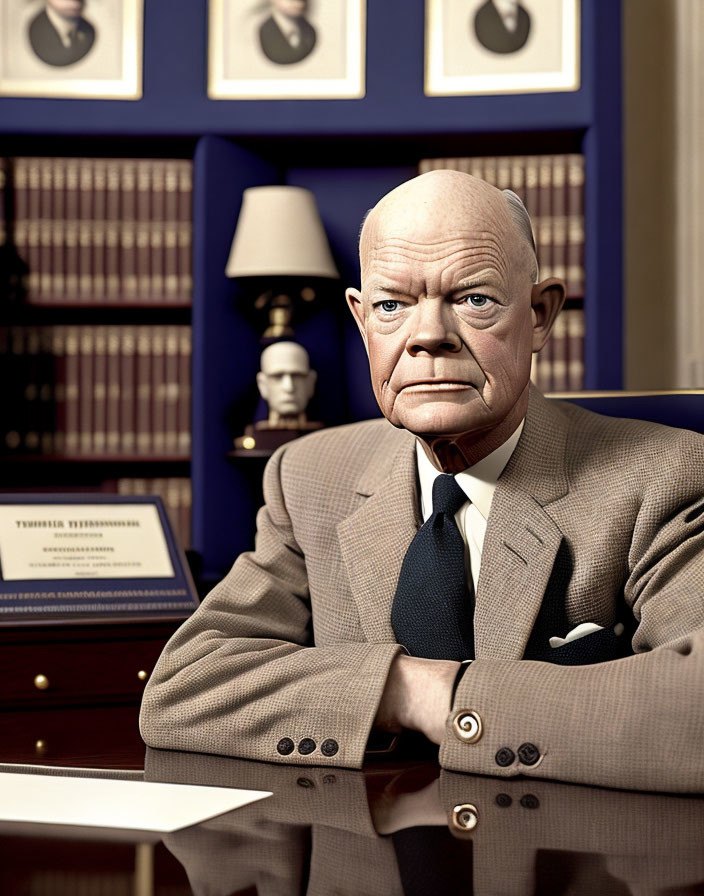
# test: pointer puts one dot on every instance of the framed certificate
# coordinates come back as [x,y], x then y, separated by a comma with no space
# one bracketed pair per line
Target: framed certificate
[90,554]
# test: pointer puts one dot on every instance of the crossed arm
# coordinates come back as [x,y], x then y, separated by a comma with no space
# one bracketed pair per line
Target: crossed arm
[242,675]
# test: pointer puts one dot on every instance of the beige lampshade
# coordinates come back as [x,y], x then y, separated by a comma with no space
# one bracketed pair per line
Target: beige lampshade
[279,233]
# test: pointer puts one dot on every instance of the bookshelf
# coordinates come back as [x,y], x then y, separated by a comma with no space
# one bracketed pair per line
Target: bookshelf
[348,152]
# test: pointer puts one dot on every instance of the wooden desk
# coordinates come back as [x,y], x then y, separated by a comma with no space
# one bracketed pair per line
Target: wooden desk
[318,834]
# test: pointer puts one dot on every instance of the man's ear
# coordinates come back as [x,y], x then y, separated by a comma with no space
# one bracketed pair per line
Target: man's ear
[546,299]
[354,301]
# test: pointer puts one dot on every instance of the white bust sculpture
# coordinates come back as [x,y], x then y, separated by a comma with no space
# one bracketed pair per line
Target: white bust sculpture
[286,383]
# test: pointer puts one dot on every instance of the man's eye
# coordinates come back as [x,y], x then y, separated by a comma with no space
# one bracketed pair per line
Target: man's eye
[476,300]
[389,305]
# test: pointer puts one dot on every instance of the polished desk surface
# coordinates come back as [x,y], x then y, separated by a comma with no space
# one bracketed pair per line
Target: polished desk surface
[393,828]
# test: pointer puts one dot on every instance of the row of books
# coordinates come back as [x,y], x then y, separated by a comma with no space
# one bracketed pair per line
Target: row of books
[559,365]
[174,491]
[98,391]
[552,190]
[102,231]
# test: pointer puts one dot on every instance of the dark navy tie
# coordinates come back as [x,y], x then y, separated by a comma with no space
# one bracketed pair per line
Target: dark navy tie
[433,608]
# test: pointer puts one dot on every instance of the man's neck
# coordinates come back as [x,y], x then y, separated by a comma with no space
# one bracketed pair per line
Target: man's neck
[453,454]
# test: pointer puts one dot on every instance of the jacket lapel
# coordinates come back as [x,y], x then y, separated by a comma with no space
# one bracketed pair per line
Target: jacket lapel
[375,538]
[521,539]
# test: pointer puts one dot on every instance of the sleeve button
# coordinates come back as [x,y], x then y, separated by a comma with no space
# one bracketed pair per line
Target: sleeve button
[530,801]
[329,747]
[529,754]
[285,746]
[504,757]
[467,726]
[465,817]
[306,746]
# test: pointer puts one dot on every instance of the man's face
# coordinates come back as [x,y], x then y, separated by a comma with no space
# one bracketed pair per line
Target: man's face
[69,9]
[445,308]
[291,8]
[285,381]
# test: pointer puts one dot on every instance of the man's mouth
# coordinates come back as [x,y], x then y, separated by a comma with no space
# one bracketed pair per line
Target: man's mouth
[436,386]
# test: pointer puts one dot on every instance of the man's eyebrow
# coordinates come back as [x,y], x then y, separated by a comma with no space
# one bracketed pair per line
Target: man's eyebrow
[477,282]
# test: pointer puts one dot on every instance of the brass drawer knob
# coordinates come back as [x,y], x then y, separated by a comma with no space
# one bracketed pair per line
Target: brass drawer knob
[142,675]
[41,682]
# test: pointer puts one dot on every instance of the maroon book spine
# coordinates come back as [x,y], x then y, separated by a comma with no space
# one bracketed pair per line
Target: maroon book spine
[71,231]
[185,228]
[171,391]
[99,391]
[86,380]
[99,221]
[58,231]
[112,409]
[73,386]
[158,414]
[559,354]
[46,391]
[184,392]
[46,187]
[31,382]
[58,349]
[575,225]
[171,232]
[128,230]
[559,217]
[544,233]
[85,231]
[113,283]
[575,349]
[128,348]
[157,224]
[33,230]
[143,440]
[20,183]
[142,227]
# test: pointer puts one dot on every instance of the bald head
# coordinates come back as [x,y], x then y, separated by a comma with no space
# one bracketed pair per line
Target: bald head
[448,199]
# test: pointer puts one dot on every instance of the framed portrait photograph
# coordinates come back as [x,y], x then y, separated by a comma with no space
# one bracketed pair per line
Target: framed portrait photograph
[501,46]
[71,48]
[286,49]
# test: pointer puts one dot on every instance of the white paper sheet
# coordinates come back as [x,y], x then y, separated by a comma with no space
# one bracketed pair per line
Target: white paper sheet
[104,803]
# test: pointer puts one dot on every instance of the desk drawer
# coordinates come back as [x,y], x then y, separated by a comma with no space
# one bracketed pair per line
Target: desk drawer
[53,674]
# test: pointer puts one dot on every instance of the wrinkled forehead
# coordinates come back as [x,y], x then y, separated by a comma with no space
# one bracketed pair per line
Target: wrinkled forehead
[437,207]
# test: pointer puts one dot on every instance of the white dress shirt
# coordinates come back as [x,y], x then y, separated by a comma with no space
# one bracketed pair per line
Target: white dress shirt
[478,482]
[288,27]
[65,28]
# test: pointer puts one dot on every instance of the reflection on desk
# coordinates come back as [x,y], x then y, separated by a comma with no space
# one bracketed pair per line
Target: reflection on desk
[393,829]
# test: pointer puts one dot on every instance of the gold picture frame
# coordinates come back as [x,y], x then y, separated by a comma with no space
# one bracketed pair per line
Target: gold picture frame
[256,52]
[492,47]
[96,54]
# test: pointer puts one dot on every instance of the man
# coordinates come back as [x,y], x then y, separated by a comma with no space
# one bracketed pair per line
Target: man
[287,36]
[59,35]
[502,26]
[574,523]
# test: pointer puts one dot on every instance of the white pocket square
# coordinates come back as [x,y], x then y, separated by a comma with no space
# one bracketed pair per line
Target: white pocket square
[583,629]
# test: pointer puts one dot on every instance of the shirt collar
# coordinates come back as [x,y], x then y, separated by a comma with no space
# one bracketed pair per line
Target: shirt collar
[64,27]
[288,26]
[478,482]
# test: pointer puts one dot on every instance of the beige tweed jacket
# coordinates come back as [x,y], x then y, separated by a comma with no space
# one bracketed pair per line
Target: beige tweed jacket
[296,642]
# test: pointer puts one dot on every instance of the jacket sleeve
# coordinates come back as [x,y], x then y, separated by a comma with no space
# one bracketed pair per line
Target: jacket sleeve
[633,723]
[242,678]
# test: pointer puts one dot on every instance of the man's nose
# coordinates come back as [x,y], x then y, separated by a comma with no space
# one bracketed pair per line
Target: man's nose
[434,329]
[287,382]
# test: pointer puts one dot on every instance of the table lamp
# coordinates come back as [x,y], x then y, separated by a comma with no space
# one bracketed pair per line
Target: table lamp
[280,241]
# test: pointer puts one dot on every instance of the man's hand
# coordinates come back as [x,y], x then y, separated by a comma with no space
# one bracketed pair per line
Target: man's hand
[417,696]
